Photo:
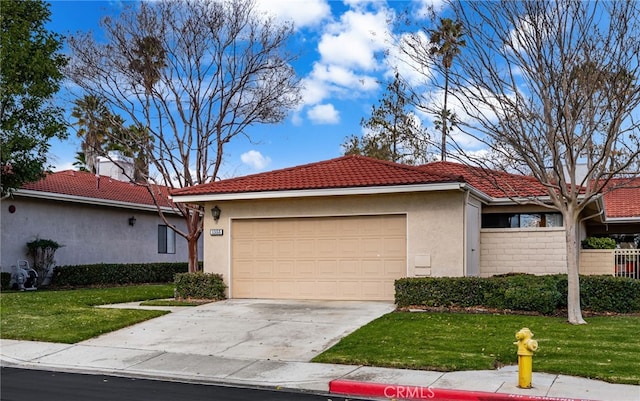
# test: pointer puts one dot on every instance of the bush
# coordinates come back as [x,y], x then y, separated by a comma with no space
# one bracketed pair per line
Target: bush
[109,274]
[200,286]
[598,243]
[444,291]
[5,280]
[605,294]
[524,292]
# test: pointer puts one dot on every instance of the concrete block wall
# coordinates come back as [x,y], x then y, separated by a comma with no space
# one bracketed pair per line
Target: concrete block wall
[597,261]
[527,250]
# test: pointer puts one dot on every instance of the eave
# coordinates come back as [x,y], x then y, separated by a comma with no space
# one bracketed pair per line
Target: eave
[349,191]
[28,193]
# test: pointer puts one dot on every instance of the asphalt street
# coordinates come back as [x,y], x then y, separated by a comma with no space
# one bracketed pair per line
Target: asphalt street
[37,385]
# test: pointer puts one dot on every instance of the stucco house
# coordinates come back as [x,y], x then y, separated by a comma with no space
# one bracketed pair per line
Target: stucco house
[97,219]
[346,228]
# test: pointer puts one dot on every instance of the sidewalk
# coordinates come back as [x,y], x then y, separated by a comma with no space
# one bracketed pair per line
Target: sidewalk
[353,380]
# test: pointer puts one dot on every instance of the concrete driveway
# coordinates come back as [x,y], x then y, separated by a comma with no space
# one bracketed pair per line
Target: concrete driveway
[249,329]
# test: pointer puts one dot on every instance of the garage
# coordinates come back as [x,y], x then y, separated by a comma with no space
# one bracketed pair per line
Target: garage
[329,258]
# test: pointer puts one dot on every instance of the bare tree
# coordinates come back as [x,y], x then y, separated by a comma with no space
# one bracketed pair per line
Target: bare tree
[549,86]
[192,76]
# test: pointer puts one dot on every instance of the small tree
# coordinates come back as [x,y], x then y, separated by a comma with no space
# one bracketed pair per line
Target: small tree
[42,253]
[393,133]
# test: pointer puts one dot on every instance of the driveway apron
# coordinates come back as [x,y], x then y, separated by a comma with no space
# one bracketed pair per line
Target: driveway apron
[278,330]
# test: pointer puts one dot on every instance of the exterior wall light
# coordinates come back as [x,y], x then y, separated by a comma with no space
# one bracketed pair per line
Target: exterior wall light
[215,212]
[132,221]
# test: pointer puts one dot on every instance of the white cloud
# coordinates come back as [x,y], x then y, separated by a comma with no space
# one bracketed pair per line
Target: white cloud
[344,77]
[255,159]
[354,40]
[324,114]
[302,13]
[411,60]
[424,7]
[314,90]
[327,81]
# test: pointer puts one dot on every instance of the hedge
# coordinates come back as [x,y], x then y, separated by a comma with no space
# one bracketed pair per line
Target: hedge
[109,274]
[199,286]
[5,280]
[523,292]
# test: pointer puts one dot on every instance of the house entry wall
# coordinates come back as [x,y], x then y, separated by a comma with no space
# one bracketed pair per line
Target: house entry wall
[341,258]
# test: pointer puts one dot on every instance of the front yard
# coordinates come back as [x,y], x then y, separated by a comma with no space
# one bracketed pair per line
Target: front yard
[607,348]
[69,316]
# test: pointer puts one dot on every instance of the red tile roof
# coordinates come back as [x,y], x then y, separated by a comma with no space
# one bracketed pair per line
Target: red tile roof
[485,180]
[343,172]
[623,201]
[87,185]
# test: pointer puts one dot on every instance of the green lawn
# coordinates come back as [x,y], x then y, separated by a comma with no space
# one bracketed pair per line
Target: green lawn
[608,348]
[68,316]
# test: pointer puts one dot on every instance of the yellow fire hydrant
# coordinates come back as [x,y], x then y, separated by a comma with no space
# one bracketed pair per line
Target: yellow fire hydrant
[526,348]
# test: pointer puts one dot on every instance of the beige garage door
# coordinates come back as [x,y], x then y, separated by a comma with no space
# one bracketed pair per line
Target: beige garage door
[347,258]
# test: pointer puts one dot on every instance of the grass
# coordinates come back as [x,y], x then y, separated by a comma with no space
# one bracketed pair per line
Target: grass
[69,316]
[607,348]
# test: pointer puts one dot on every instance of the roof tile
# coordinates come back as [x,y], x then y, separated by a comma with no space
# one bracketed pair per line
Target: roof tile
[88,185]
[343,172]
[624,200]
[486,180]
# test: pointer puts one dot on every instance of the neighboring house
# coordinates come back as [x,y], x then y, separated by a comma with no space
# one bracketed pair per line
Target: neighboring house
[347,228]
[97,219]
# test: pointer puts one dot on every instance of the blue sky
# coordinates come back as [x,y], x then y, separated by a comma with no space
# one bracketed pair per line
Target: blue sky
[344,65]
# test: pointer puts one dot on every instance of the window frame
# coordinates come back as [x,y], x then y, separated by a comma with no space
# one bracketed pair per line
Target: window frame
[166,240]
[515,220]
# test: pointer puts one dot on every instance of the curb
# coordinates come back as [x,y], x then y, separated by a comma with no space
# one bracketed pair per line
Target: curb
[395,392]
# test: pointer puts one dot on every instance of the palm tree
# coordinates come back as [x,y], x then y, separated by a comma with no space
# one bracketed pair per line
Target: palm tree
[445,44]
[93,120]
[80,162]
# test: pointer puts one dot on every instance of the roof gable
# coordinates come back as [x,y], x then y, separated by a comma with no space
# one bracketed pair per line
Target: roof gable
[87,185]
[343,172]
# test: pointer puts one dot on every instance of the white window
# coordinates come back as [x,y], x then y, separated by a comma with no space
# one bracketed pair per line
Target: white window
[166,239]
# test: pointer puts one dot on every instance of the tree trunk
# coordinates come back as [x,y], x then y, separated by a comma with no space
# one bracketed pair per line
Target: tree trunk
[194,230]
[192,243]
[574,312]
[445,117]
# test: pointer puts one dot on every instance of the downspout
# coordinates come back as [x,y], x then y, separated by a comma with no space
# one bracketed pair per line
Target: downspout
[465,245]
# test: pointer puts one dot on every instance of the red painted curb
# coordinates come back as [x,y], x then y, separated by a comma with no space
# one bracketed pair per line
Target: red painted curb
[395,392]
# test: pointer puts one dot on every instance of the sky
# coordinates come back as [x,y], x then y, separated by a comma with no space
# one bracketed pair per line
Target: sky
[345,61]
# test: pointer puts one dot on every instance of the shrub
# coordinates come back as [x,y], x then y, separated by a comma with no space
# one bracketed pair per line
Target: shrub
[598,243]
[109,274]
[5,280]
[200,286]
[42,252]
[442,291]
[525,292]
[605,294]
